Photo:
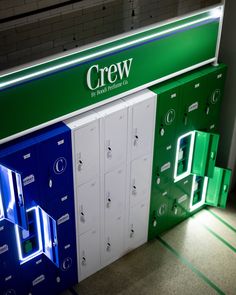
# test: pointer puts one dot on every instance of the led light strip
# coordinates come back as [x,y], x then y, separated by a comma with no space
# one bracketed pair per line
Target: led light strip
[39,236]
[203,196]
[214,14]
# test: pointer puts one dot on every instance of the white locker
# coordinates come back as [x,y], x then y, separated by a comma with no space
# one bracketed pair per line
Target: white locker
[140,180]
[88,205]
[142,120]
[86,146]
[89,254]
[114,127]
[138,226]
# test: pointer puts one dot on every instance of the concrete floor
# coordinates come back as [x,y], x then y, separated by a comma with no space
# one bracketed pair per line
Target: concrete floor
[196,257]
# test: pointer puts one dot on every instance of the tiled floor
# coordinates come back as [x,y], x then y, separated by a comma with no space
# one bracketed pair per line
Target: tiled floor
[196,257]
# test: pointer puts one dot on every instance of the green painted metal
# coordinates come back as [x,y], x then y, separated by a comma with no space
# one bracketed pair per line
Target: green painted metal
[170,201]
[218,188]
[204,154]
[53,95]
[167,111]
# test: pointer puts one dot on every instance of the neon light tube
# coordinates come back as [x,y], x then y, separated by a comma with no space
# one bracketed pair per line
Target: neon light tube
[203,195]
[102,52]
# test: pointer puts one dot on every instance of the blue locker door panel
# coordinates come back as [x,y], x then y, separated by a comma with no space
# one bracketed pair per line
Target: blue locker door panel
[55,165]
[9,262]
[23,160]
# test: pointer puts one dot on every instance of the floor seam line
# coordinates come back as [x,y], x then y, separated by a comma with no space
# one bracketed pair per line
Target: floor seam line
[190,266]
[221,220]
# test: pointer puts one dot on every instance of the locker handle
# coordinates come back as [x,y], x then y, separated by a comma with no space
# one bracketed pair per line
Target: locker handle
[20,200]
[83,261]
[50,183]
[134,190]
[136,140]
[207,109]
[185,119]
[80,165]
[213,155]
[109,152]
[108,247]
[131,233]
[225,188]
[108,202]
[82,219]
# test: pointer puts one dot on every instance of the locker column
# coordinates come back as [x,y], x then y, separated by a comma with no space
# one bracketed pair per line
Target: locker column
[86,158]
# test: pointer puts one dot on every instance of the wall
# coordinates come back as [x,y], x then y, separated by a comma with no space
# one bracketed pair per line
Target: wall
[227,150]
[32,29]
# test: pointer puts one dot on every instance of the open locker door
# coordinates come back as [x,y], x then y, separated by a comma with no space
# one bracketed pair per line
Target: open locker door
[218,188]
[12,205]
[195,154]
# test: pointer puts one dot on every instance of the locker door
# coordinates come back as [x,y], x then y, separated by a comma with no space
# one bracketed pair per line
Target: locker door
[140,180]
[218,188]
[89,253]
[115,139]
[215,79]
[168,105]
[142,127]
[138,218]
[192,96]
[114,214]
[204,154]
[55,165]
[12,204]
[87,152]
[88,206]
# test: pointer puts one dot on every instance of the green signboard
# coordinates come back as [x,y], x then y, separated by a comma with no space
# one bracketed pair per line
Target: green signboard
[52,90]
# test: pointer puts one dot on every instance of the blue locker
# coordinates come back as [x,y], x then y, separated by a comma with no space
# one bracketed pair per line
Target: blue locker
[37,214]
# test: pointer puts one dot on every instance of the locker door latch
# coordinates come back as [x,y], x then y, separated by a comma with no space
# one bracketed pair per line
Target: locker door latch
[80,165]
[50,183]
[108,247]
[109,152]
[131,233]
[136,140]
[82,218]
[134,190]
[83,261]
[108,200]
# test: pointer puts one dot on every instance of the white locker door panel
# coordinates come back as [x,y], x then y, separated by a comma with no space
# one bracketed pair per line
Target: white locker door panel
[87,152]
[88,205]
[115,139]
[89,253]
[113,245]
[138,219]
[140,180]
[114,194]
[114,214]
[142,128]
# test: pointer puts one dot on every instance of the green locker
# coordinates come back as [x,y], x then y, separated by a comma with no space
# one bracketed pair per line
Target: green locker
[168,105]
[184,174]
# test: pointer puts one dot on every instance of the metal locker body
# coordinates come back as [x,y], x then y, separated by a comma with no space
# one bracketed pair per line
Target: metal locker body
[89,253]
[88,206]
[113,124]
[142,112]
[140,180]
